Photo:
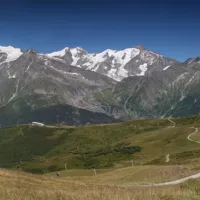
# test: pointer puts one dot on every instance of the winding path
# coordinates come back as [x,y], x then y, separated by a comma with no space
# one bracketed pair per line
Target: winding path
[189,136]
[178,181]
[167,158]
[174,124]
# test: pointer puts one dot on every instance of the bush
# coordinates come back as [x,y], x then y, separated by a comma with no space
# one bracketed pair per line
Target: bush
[129,149]
[91,163]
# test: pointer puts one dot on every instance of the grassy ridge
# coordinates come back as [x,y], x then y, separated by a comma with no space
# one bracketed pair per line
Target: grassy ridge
[45,149]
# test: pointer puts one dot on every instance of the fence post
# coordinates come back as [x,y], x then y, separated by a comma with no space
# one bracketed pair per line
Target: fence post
[132,163]
[65,166]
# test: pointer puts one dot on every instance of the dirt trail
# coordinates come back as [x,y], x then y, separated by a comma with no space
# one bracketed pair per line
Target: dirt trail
[174,124]
[167,158]
[178,181]
[189,136]
[182,180]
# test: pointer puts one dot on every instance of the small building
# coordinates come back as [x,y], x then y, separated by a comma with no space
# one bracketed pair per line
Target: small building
[37,124]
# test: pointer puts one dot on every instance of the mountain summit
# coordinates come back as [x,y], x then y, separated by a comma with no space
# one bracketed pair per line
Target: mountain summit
[116,64]
[8,54]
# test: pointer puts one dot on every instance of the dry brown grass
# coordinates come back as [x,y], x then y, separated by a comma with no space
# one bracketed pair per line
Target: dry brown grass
[20,186]
[144,174]
[131,175]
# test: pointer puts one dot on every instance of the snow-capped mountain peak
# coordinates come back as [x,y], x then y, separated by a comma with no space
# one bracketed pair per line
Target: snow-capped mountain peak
[9,53]
[117,64]
[60,53]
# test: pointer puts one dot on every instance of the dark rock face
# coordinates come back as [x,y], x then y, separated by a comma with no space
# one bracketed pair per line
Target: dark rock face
[172,92]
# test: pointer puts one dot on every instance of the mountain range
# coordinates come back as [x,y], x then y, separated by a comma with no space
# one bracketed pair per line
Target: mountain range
[75,87]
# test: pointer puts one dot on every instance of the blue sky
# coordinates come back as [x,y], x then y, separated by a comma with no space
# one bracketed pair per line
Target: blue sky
[171,28]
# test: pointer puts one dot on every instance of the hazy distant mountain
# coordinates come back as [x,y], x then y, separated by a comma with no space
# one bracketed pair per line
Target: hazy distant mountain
[125,84]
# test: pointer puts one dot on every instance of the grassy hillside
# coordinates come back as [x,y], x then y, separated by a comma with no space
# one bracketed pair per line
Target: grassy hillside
[46,149]
[18,185]
[143,174]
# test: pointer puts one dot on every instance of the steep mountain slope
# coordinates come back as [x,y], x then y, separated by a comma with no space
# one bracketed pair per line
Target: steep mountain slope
[31,81]
[136,61]
[21,111]
[171,92]
[126,84]
[55,81]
